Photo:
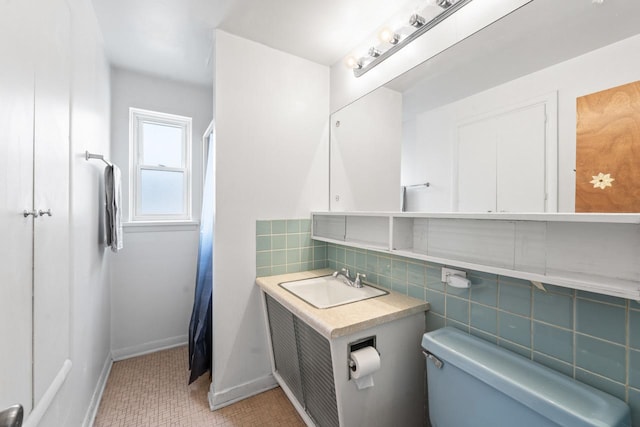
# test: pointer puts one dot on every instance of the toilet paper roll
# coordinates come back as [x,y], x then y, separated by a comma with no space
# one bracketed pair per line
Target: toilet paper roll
[366,362]
[364,382]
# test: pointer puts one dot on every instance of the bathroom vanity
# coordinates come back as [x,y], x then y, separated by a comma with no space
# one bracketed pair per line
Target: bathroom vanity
[311,348]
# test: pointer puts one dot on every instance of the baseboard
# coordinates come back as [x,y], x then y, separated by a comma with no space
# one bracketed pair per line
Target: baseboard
[150,347]
[235,394]
[92,411]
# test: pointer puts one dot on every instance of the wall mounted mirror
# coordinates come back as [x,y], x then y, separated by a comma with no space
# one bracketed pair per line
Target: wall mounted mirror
[490,123]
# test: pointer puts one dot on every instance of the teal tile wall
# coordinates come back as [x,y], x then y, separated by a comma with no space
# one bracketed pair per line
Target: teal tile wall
[285,246]
[590,337]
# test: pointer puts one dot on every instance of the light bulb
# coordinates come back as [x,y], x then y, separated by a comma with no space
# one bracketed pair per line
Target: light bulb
[387,35]
[352,62]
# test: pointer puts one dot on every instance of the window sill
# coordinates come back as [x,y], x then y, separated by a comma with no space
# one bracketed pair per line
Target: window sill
[153,226]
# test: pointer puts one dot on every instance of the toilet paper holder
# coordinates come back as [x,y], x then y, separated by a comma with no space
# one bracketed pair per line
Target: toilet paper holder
[357,345]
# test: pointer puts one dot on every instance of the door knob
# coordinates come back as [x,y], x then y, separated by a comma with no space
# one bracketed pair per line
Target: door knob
[12,416]
[43,212]
[26,213]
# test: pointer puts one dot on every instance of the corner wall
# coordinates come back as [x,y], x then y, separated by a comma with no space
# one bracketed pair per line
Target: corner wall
[272,112]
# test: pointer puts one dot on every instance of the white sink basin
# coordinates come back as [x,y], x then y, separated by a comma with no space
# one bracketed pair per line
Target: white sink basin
[329,291]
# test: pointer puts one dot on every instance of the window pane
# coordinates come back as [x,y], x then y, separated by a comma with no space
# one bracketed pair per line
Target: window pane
[162,192]
[161,145]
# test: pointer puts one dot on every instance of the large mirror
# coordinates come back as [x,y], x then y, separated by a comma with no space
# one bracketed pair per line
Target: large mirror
[489,125]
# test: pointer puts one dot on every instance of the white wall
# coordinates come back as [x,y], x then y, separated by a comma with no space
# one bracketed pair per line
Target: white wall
[271,162]
[601,69]
[90,306]
[152,289]
[154,275]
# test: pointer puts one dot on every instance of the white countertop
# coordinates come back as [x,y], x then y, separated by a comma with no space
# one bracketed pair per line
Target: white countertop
[343,319]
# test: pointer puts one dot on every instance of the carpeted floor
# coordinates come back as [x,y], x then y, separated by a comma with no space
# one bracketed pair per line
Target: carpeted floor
[152,390]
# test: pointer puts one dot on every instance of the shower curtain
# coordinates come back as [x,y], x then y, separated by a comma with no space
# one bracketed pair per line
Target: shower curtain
[200,338]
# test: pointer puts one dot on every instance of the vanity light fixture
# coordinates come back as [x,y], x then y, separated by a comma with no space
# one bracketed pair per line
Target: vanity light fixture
[373,52]
[417,20]
[445,3]
[389,36]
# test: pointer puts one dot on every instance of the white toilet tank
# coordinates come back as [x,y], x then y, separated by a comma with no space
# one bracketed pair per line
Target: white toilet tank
[474,383]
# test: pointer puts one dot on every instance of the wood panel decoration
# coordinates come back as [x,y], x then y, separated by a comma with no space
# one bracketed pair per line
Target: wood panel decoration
[608,150]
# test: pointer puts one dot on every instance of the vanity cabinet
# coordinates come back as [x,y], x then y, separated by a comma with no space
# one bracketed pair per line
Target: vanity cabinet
[592,252]
[285,347]
[311,348]
[302,359]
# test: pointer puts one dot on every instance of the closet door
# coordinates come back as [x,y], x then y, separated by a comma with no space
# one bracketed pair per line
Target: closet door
[51,194]
[16,195]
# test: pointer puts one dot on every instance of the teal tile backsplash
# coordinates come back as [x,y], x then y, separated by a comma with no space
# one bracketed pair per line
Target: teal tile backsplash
[590,337]
[285,246]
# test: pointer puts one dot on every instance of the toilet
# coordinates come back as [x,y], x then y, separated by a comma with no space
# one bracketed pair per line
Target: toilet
[474,383]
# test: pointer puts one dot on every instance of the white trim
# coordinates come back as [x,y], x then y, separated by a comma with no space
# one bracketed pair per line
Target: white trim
[205,147]
[41,408]
[159,226]
[138,116]
[150,347]
[92,410]
[157,223]
[240,392]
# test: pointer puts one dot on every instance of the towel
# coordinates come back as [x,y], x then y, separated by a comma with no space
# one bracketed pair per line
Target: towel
[113,198]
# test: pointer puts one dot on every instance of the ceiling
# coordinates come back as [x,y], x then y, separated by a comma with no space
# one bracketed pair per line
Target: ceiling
[173,38]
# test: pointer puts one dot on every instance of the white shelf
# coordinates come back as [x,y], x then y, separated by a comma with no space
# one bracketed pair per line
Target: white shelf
[363,231]
[616,218]
[594,252]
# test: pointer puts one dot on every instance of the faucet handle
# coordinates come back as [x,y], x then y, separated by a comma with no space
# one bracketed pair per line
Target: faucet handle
[360,277]
[345,271]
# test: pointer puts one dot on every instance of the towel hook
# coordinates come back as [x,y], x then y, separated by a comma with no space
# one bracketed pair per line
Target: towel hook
[88,156]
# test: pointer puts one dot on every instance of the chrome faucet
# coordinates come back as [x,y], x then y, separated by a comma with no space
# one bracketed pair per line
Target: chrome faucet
[348,280]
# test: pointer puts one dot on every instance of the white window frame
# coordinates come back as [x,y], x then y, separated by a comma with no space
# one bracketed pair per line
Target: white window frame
[137,117]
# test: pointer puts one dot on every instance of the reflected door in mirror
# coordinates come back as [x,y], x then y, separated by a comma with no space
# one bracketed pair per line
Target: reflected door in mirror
[501,162]
[608,150]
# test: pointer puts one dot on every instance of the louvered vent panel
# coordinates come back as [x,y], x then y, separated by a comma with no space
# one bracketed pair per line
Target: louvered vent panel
[285,353]
[317,376]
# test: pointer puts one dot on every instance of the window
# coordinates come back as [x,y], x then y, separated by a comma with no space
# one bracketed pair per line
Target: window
[160,166]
